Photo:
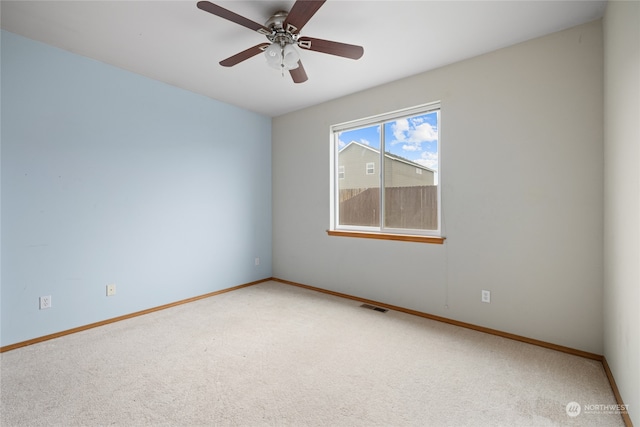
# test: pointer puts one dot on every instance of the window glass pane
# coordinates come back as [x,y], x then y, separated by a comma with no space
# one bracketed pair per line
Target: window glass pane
[359,180]
[371,168]
[411,172]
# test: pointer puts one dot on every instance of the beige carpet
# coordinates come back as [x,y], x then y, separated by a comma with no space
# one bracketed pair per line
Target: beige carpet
[278,355]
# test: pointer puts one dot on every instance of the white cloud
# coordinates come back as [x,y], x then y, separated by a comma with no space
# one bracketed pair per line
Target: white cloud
[423,132]
[428,159]
[365,142]
[413,134]
[399,128]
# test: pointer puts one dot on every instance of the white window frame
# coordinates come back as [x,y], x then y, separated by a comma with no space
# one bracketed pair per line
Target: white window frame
[334,180]
[370,168]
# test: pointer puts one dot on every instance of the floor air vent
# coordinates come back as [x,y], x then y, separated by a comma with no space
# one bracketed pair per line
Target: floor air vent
[371,307]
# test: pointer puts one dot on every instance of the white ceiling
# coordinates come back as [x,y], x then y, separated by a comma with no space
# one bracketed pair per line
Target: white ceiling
[174,42]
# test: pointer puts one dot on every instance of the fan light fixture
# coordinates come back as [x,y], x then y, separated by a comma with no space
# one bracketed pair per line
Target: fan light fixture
[282,30]
[282,57]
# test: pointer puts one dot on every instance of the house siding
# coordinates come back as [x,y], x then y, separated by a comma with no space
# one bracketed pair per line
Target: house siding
[354,158]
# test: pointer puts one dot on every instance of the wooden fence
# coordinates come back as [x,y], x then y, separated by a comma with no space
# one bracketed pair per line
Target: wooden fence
[406,207]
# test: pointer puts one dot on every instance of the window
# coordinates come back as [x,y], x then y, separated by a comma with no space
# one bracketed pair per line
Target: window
[371,168]
[403,198]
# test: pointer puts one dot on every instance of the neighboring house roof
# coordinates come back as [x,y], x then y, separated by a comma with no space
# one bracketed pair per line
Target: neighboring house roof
[389,155]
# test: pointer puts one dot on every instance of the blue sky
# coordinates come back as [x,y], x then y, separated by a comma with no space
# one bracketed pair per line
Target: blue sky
[414,138]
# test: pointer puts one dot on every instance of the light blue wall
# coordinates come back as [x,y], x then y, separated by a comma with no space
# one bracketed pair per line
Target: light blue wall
[110,177]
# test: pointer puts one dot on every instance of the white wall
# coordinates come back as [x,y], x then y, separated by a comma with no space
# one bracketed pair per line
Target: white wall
[522,178]
[622,199]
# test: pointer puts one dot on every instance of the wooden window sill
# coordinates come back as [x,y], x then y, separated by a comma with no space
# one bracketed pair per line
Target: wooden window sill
[388,236]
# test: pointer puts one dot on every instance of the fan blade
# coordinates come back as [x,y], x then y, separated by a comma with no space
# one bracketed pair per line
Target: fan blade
[233,17]
[332,48]
[245,54]
[300,14]
[298,74]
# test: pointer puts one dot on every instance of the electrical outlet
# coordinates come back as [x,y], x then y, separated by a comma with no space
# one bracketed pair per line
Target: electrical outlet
[486,296]
[111,290]
[45,302]
[257,261]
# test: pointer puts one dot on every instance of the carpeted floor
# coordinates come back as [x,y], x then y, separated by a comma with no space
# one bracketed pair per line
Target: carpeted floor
[278,355]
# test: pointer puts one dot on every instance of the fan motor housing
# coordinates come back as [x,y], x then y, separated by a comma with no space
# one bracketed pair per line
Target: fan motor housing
[279,34]
[276,22]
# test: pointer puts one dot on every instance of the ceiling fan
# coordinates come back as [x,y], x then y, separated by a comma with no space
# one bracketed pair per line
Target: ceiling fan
[282,30]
